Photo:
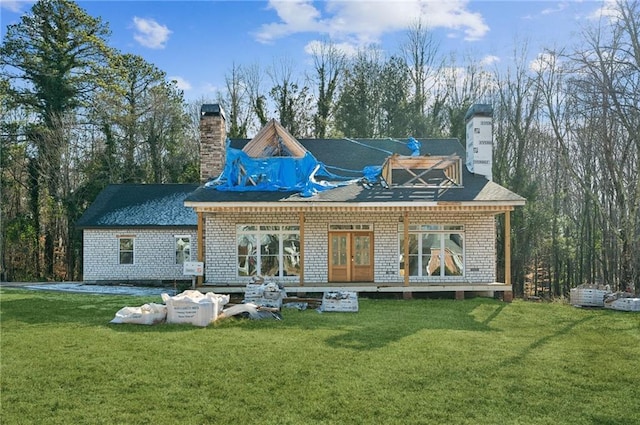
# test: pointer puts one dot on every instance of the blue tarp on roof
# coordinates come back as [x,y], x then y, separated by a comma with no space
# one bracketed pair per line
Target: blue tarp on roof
[306,175]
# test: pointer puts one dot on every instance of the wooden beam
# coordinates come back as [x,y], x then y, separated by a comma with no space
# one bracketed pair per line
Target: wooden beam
[267,142]
[301,220]
[440,207]
[200,242]
[507,248]
[406,247]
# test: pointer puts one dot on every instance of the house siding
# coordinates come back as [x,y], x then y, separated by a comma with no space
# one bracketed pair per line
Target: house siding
[154,254]
[480,233]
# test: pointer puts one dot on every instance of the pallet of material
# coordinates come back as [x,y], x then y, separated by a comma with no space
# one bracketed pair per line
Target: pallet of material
[342,301]
[623,304]
[586,296]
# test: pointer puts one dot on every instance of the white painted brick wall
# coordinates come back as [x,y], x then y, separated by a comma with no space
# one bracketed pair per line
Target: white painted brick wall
[221,252]
[154,254]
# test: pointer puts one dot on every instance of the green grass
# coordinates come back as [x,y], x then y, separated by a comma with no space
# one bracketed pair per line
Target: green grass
[477,361]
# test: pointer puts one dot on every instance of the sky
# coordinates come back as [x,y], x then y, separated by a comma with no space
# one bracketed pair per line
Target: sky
[197,42]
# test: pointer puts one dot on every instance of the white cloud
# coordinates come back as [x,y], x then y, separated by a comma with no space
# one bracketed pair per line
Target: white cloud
[543,62]
[150,34]
[366,21]
[608,10]
[14,5]
[489,60]
[182,84]
[559,7]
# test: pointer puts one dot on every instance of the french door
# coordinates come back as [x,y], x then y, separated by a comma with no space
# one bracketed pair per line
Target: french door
[351,256]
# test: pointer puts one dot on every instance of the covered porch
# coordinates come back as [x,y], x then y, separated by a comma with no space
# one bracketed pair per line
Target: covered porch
[404,216]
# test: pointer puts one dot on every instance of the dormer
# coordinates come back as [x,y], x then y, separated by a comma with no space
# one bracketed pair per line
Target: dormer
[422,171]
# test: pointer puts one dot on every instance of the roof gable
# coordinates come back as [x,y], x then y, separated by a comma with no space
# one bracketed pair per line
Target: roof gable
[273,140]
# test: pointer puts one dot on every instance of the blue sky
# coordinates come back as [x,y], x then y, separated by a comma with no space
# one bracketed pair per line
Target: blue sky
[197,42]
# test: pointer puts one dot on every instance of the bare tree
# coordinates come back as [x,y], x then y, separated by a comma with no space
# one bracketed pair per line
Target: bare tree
[598,136]
[421,54]
[254,76]
[329,63]
[236,102]
[292,101]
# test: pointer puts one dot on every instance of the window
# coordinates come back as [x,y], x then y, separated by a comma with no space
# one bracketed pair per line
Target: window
[434,250]
[183,249]
[125,250]
[269,250]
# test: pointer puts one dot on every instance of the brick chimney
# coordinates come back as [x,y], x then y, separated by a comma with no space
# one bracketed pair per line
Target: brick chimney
[213,137]
[479,126]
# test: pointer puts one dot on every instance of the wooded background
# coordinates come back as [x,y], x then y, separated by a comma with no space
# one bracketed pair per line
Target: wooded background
[77,115]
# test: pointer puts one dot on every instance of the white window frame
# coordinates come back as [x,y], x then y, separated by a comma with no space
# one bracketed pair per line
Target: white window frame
[426,229]
[177,238]
[258,230]
[133,249]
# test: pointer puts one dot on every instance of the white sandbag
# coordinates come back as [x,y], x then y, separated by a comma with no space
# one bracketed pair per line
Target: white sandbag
[147,314]
[194,307]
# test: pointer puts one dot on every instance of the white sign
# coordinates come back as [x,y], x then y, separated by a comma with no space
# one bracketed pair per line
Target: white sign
[193,268]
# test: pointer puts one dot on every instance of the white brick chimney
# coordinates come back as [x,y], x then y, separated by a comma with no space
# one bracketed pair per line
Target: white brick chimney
[213,137]
[479,125]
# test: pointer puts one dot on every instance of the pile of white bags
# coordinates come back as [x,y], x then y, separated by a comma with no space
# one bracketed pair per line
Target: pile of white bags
[190,306]
[194,307]
[147,314]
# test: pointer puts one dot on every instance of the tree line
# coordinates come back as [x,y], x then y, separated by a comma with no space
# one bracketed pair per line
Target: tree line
[78,115]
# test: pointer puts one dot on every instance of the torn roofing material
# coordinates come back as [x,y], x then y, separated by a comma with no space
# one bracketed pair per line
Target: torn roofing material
[303,174]
[275,161]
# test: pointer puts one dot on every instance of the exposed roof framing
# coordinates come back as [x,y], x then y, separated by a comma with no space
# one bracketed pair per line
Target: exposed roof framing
[274,140]
[423,171]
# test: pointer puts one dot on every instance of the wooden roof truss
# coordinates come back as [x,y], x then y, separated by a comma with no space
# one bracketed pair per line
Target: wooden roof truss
[273,140]
[418,168]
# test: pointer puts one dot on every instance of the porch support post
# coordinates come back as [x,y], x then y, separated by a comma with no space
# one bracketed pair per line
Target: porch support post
[200,237]
[301,219]
[406,248]
[508,295]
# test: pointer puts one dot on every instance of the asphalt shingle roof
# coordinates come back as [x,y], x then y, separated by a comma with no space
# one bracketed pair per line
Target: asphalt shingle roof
[153,205]
[140,205]
[350,154]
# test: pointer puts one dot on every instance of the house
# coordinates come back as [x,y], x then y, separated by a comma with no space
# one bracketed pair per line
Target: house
[367,215]
[138,233]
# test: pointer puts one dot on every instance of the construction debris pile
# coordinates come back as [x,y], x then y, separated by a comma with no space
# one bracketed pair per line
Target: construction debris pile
[262,300]
[601,296]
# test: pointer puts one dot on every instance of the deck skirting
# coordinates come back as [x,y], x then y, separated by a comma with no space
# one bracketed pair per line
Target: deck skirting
[368,287]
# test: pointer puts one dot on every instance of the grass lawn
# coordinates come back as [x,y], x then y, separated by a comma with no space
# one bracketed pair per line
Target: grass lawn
[477,361]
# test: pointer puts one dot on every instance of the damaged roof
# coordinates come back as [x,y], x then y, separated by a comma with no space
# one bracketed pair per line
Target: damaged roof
[348,157]
[140,205]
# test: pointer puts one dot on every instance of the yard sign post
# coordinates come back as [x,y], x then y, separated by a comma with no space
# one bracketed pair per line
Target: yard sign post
[193,268]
